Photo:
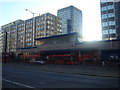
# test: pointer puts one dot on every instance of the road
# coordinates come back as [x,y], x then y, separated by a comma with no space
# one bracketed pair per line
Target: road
[24,78]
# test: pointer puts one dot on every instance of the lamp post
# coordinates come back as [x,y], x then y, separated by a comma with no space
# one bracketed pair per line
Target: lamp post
[33,25]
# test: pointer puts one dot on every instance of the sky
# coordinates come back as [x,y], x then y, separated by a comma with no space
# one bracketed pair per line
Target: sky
[12,10]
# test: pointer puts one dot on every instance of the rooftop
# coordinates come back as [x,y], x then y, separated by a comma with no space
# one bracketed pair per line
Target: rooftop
[57,36]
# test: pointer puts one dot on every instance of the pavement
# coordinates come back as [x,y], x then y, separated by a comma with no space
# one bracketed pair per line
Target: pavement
[90,70]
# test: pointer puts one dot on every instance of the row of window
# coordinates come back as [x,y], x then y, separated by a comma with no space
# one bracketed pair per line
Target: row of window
[43,17]
[28,44]
[20,38]
[29,30]
[40,29]
[108,23]
[13,30]
[107,7]
[13,34]
[20,29]
[21,24]
[111,31]
[14,26]
[29,40]
[109,15]
[29,21]
[21,33]
[48,27]
[20,41]
[40,36]
[29,35]
[29,26]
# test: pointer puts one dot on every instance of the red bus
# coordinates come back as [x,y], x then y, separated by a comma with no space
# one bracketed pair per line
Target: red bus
[62,59]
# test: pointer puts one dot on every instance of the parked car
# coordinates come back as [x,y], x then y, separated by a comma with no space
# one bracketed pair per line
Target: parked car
[39,61]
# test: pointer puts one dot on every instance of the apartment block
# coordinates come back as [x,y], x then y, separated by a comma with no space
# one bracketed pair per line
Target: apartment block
[22,33]
[10,36]
[1,40]
[71,19]
[47,25]
[110,17]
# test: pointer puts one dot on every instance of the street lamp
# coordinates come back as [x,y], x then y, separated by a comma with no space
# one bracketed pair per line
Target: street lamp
[32,12]
[33,24]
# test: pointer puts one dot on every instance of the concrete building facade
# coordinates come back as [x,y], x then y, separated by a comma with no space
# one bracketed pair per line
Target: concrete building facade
[69,44]
[48,25]
[9,40]
[71,19]
[1,40]
[22,33]
[110,17]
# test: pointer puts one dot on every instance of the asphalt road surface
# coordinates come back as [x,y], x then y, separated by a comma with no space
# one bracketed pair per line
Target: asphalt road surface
[24,78]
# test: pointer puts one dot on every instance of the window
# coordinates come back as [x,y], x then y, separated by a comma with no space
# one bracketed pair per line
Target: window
[104,16]
[110,7]
[102,2]
[48,27]
[105,32]
[111,15]
[112,31]
[111,22]
[104,24]
[48,22]
[103,8]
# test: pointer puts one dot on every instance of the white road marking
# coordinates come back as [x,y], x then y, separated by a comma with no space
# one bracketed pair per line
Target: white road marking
[18,83]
